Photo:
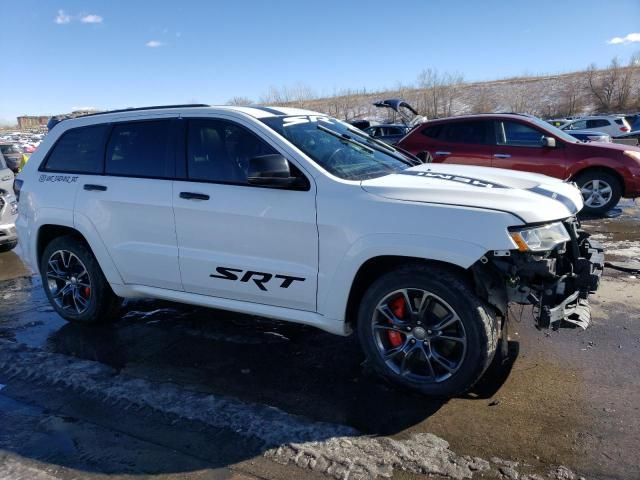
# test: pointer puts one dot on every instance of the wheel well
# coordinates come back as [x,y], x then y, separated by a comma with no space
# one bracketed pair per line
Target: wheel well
[47,233]
[370,270]
[608,170]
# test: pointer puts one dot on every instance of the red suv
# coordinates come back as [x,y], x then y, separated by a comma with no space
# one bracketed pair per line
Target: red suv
[603,171]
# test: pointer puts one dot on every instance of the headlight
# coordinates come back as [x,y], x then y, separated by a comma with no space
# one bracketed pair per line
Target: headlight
[540,239]
[633,154]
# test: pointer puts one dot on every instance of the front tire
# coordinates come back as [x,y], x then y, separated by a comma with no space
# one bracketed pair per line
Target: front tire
[75,284]
[424,328]
[600,190]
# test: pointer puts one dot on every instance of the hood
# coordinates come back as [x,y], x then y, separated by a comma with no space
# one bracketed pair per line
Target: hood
[597,147]
[532,197]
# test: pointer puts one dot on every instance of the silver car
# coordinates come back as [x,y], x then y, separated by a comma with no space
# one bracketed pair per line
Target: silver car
[8,208]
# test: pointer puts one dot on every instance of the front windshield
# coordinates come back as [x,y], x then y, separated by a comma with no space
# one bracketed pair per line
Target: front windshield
[339,148]
[556,131]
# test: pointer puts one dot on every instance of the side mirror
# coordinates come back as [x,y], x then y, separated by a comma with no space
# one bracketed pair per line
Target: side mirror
[549,142]
[272,171]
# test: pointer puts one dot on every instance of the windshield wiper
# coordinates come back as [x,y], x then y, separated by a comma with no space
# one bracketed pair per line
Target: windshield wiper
[346,138]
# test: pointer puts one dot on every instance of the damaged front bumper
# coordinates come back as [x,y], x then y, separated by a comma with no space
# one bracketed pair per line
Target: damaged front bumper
[557,283]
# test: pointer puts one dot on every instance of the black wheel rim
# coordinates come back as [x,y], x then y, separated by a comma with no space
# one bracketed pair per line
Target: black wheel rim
[68,282]
[419,336]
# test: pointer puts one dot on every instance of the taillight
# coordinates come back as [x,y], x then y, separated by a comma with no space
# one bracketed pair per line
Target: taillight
[624,129]
[17,186]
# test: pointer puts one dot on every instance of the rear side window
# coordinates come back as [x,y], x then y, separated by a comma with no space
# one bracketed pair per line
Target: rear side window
[475,132]
[140,149]
[618,121]
[78,151]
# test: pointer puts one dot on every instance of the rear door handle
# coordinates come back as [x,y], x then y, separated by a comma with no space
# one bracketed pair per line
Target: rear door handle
[502,155]
[194,196]
[91,187]
[443,153]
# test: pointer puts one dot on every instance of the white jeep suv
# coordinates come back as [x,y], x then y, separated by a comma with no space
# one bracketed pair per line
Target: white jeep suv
[293,215]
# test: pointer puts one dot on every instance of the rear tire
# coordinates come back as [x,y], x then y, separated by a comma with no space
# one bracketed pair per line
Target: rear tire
[444,342]
[75,284]
[601,191]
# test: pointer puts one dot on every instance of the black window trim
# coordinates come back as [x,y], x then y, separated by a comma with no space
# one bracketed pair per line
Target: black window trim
[105,142]
[183,162]
[178,141]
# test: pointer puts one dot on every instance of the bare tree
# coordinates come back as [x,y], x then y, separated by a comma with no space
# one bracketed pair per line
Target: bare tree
[240,101]
[439,92]
[571,101]
[484,102]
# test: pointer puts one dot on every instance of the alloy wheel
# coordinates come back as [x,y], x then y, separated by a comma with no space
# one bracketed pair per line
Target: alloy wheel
[596,193]
[419,335]
[68,282]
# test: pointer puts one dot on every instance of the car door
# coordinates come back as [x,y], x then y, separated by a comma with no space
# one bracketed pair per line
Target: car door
[518,146]
[238,241]
[129,203]
[467,142]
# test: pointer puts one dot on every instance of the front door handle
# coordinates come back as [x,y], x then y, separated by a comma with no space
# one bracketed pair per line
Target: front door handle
[443,153]
[194,196]
[94,188]
[502,155]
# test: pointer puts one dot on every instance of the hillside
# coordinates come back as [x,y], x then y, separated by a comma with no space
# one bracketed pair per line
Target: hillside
[616,89]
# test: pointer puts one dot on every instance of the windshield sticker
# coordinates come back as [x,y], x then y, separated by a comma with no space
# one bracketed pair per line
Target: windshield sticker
[454,178]
[298,120]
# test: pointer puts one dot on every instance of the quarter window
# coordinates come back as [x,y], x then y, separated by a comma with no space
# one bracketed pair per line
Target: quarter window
[140,149]
[518,135]
[219,151]
[79,150]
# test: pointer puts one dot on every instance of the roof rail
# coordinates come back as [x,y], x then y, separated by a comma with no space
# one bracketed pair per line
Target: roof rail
[153,107]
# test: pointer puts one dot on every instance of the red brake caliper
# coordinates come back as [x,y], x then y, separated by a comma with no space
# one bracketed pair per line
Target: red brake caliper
[398,308]
[87,292]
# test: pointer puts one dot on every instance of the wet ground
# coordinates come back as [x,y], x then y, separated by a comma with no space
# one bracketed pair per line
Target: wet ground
[173,391]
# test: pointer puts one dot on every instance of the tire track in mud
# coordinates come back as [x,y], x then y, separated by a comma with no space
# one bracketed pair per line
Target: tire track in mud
[335,450]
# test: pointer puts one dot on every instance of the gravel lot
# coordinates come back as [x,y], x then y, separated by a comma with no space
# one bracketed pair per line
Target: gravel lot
[173,391]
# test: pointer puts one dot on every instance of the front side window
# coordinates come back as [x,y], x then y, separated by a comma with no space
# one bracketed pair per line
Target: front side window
[219,151]
[79,150]
[476,132]
[518,135]
[140,149]
[339,148]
